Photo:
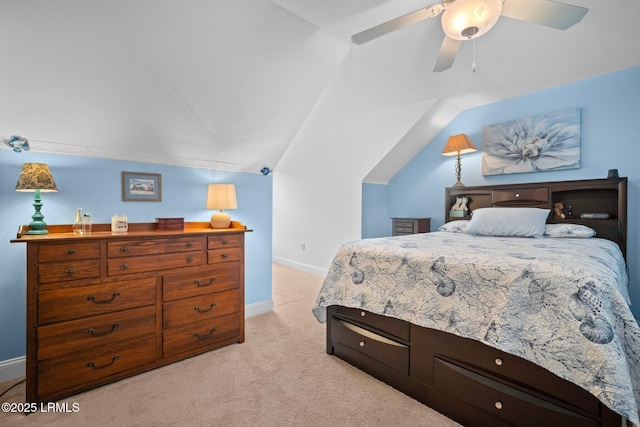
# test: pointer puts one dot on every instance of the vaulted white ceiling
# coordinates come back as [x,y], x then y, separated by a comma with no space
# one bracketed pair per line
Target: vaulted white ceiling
[228,84]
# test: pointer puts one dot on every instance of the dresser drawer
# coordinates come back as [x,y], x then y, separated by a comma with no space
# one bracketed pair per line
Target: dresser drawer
[195,309]
[473,354]
[94,365]
[68,270]
[225,241]
[377,323]
[201,335]
[501,400]
[140,264]
[82,334]
[224,277]
[526,196]
[153,246]
[73,303]
[216,256]
[386,351]
[68,251]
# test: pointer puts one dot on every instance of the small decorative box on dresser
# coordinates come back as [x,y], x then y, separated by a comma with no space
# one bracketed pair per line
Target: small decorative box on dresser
[402,226]
[103,306]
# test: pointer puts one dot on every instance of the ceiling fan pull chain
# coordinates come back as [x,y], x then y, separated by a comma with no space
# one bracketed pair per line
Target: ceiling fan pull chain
[473,65]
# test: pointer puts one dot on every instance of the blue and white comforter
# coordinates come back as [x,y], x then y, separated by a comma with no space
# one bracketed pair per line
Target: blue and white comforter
[559,303]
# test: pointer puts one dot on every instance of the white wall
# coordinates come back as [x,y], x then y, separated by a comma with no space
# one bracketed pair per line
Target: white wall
[318,182]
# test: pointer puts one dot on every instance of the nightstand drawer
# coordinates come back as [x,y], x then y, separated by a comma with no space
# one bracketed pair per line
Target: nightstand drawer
[190,310]
[403,226]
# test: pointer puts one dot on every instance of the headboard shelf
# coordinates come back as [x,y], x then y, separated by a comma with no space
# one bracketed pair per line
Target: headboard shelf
[599,196]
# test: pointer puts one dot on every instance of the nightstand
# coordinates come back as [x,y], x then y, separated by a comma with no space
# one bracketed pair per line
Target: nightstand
[403,226]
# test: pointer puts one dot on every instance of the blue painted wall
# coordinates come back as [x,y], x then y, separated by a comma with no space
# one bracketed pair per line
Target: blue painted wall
[95,185]
[375,211]
[610,112]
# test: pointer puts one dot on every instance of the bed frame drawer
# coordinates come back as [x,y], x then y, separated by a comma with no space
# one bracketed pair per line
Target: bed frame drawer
[475,355]
[387,325]
[498,399]
[388,352]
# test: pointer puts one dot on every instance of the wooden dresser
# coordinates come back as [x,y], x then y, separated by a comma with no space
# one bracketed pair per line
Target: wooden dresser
[103,306]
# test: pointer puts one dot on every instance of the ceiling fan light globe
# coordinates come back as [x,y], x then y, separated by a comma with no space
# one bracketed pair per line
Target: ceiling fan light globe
[465,14]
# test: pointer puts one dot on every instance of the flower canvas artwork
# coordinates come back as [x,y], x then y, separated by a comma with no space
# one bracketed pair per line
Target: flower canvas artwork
[539,143]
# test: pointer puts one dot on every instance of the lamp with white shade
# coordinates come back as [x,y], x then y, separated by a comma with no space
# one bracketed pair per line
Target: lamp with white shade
[219,197]
[36,177]
[456,145]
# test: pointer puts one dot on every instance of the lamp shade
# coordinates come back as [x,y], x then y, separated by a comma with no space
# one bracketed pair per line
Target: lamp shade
[36,176]
[221,196]
[458,144]
[465,19]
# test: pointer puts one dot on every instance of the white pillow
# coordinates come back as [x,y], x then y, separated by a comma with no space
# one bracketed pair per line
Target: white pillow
[458,226]
[507,222]
[569,230]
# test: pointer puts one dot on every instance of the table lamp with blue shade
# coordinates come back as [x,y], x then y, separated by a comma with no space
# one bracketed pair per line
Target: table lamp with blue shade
[36,177]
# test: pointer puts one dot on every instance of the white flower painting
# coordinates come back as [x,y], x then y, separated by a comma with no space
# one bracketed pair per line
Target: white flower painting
[532,144]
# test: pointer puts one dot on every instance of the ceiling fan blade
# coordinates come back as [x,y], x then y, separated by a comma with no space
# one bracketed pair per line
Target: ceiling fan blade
[396,24]
[447,54]
[544,12]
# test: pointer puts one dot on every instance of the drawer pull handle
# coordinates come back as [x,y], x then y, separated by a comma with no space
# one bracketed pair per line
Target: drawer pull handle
[71,251]
[104,301]
[93,332]
[363,313]
[202,285]
[499,361]
[362,343]
[70,271]
[517,195]
[189,259]
[113,359]
[205,336]
[196,308]
[498,405]
[225,255]
[124,266]
[225,241]
[189,244]
[124,249]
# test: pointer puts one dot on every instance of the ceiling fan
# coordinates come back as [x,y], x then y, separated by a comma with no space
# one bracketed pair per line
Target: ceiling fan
[469,19]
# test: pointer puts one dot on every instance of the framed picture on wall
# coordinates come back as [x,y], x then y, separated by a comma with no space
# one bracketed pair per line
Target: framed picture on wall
[141,187]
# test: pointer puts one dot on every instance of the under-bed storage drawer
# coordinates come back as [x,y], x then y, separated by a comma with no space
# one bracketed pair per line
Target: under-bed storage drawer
[476,355]
[502,401]
[388,352]
[388,325]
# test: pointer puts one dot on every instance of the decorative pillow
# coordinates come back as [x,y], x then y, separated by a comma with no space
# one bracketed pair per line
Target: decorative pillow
[508,222]
[458,226]
[569,230]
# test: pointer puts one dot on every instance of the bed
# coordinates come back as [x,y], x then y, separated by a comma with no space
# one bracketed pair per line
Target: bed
[498,329]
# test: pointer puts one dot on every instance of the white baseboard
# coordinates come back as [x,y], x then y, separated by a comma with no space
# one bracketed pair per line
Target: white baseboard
[258,308]
[11,369]
[317,271]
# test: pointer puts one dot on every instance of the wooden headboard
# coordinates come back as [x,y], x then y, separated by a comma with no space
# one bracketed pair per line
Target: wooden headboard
[600,196]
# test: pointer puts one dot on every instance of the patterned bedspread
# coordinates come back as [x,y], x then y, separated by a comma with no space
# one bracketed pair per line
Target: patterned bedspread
[559,303]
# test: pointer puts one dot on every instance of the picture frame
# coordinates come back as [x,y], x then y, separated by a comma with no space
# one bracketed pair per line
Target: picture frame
[141,187]
[539,143]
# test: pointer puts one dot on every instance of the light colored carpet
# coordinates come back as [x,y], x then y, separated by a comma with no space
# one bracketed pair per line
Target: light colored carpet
[281,376]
